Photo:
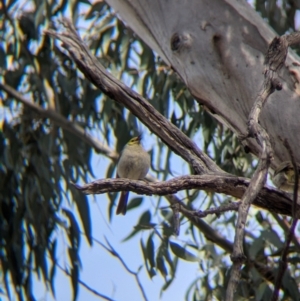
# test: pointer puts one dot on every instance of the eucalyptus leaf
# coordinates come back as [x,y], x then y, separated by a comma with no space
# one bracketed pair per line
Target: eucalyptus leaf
[182,252]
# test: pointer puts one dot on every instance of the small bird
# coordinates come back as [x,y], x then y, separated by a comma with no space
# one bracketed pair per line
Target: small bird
[134,163]
[284,176]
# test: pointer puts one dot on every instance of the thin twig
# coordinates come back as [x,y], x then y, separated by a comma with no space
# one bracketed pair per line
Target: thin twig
[195,214]
[283,262]
[85,285]
[114,253]
[234,206]
[282,222]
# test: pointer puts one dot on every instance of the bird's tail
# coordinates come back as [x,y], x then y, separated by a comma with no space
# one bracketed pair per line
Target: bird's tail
[122,206]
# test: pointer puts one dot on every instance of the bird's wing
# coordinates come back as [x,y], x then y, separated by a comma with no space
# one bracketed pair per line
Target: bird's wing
[117,176]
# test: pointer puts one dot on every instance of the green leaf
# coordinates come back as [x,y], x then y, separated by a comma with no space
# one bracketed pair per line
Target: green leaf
[85,2]
[183,253]
[151,271]
[95,9]
[73,232]
[145,218]
[143,224]
[256,247]
[189,289]
[39,16]
[74,280]
[53,268]
[135,202]
[272,237]
[166,285]
[160,263]
[5,267]
[2,58]
[150,251]
[41,261]
[172,263]
[83,208]
[28,289]
[291,286]
[261,290]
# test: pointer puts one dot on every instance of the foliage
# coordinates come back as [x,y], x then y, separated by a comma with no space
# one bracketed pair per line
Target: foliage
[39,160]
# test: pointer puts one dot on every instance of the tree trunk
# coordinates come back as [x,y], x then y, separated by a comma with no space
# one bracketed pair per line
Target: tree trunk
[218,49]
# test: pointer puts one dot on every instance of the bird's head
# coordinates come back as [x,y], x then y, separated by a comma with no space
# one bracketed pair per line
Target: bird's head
[135,140]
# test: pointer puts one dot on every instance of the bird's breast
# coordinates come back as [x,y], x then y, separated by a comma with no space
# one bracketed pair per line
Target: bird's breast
[133,166]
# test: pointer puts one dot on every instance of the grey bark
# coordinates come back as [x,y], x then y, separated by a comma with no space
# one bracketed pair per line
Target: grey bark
[218,48]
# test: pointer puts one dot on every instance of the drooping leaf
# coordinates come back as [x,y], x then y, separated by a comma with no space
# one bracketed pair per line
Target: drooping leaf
[150,251]
[135,202]
[182,252]
[143,224]
[73,230]
[151,271]
[53,268]
[84,213]
[74,280]
[160,263]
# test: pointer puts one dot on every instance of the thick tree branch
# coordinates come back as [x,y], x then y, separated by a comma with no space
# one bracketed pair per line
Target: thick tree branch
[268,198]
[90,66]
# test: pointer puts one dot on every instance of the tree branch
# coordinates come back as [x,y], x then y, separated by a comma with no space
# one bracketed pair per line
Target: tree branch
[283,223]
[274,60]
[234,206]
[90,66]
[114,253]
[268,198]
